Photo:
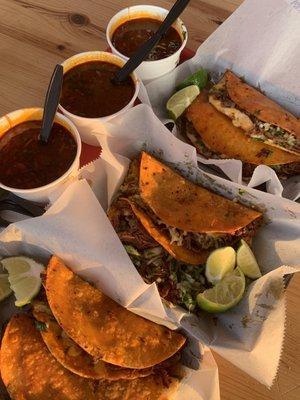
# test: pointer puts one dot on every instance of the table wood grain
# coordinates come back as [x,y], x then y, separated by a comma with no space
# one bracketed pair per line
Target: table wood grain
[36,34]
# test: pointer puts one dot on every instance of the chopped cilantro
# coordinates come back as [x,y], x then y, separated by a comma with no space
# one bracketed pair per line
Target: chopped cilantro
[40,326]
[132,251]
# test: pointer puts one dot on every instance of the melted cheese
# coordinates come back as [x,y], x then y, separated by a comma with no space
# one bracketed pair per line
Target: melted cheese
[239,119]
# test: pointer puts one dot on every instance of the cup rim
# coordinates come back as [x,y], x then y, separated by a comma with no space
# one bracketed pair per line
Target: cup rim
[137,7]
[77,138]
[134,76]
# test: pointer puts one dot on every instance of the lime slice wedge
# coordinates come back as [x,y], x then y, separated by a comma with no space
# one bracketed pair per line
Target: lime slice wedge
[199,79]
[219,263]
[24,276]
[5,289]
[181,100]
[225,294]
[246,261]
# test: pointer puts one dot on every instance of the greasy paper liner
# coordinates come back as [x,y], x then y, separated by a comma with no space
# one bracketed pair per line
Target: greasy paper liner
[259,41]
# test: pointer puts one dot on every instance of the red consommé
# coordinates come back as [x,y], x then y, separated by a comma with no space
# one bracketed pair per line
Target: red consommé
[26,163]
[132,34]
[88,90]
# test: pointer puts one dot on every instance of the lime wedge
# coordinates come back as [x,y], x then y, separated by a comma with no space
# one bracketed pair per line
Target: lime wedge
[24,276]
[181,100]
[246,261]
[199,79]
[5,289]
[225,294]
[219,263]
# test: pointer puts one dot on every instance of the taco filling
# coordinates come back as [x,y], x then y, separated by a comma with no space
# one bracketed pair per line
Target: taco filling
[166,246]
[255,127]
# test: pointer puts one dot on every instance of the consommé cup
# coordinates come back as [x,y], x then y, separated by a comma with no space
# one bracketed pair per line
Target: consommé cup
[41,194]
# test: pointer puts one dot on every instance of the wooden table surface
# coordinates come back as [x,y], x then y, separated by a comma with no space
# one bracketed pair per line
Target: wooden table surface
[36,34]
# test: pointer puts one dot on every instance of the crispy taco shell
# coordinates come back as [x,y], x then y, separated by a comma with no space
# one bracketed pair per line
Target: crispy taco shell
[102,327]
[30,372]
[221,136]
[178,252]
[179,203]
[256,103]
[158,387]
[73,357]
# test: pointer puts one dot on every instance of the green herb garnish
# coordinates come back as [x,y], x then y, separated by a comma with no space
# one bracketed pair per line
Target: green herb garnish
[132,251]
[40,326]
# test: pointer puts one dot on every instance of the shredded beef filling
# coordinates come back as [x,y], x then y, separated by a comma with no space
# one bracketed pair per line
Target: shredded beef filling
[177,282]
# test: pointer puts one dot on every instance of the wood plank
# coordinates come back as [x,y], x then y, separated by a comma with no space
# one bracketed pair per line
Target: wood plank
[36,34]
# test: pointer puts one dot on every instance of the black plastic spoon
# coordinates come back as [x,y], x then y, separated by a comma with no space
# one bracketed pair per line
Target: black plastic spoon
[145,49]
[51,102]
[11,202]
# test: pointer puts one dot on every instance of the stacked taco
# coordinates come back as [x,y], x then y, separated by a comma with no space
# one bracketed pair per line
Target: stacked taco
[170,225]
[79,344]
[235,120]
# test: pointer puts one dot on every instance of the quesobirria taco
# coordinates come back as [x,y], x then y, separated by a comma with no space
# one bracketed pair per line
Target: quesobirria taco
[78,344]
[169,226]
[235,120]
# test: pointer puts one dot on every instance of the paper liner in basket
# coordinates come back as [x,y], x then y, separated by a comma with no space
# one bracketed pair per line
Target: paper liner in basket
[259,41]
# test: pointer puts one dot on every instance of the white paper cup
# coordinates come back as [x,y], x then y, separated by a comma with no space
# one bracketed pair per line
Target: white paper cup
[43,193]
[86,126]
[148,69]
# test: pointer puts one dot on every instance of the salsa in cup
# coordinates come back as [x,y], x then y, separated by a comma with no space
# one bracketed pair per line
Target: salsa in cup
[89,97]
[29,168]
[88,90]
[27,163]
[131,27]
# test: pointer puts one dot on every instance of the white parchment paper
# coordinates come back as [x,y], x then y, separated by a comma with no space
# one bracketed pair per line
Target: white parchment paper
[260,41]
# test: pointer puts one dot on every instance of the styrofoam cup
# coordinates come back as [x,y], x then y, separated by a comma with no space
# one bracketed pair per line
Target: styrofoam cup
[86,126]
[148,70]
[41,194]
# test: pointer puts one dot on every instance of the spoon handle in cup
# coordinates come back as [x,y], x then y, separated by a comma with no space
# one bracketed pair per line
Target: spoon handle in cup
[51,102]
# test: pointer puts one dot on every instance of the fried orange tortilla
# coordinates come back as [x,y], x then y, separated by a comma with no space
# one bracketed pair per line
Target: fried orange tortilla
[256,103]
[221,136]
[30,372]
[73,357]
[102,327]
[179,203]
[179,252]
[153,387]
